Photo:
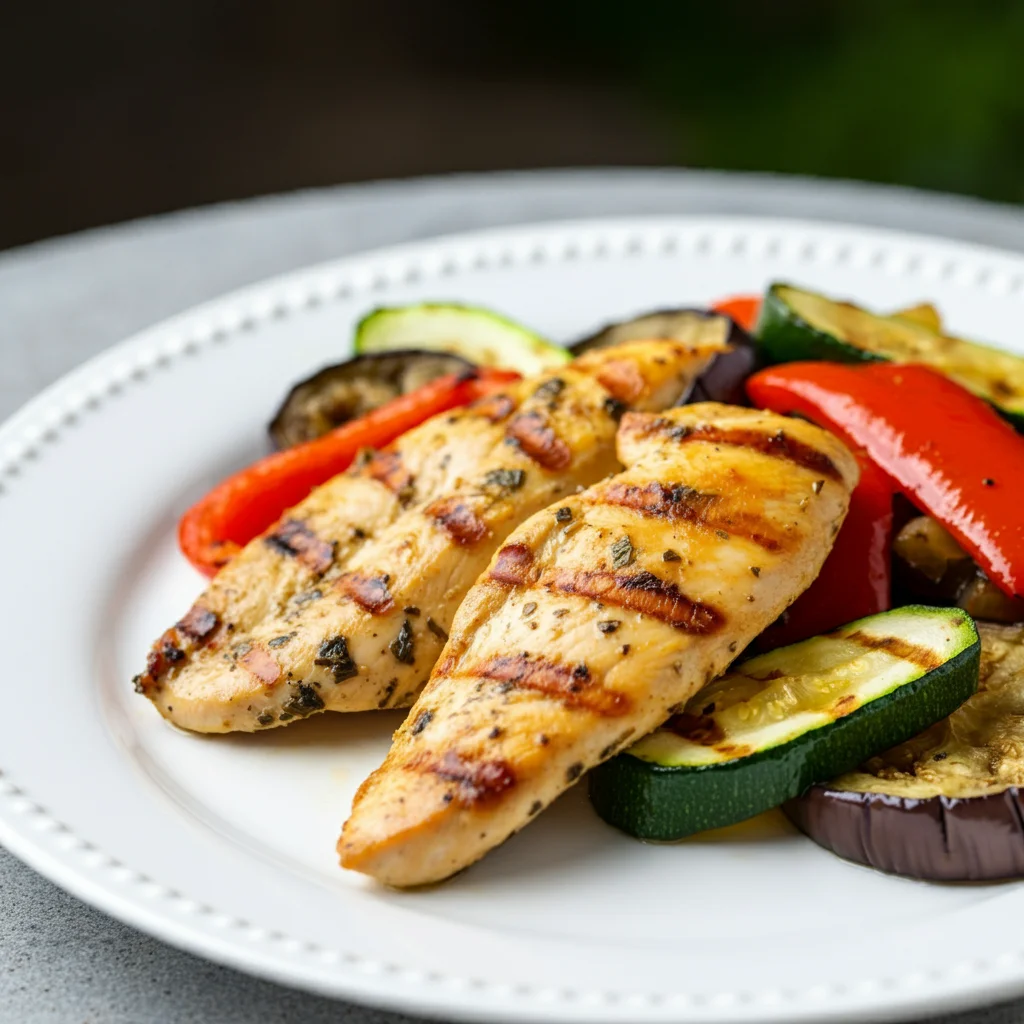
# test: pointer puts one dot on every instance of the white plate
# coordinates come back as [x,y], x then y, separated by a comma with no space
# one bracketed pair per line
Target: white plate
[225,846]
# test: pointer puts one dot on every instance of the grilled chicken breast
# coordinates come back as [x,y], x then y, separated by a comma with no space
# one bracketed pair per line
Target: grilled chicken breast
[597,619]
[346,603]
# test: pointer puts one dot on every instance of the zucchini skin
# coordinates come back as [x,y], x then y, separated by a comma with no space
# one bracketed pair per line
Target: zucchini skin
[656,802]
[785,337]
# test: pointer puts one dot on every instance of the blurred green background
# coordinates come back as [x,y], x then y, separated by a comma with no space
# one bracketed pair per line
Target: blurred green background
[114,110]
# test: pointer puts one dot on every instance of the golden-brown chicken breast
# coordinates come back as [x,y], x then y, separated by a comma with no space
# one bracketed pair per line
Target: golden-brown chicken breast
[597,619]
[346,606]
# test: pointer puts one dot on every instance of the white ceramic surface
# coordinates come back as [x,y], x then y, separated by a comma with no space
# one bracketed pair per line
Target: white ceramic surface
[225,845]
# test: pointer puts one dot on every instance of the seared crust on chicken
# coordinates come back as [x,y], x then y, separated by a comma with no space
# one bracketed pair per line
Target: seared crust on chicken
[345,604]
[597,619]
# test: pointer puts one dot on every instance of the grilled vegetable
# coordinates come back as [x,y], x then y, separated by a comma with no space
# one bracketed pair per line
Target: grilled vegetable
[722,381]
[931,564]
[480,335]
[924,314]
[743,309]
[945,449]
[241,507]
[590,626]
[798,325]
[778,723]
[349,390]
[948,804]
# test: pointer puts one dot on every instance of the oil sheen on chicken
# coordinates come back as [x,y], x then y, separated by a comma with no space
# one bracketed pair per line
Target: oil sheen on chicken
[346,603]
[597,619]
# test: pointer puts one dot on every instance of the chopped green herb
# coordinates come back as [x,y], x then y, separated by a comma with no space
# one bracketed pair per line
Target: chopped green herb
[563,515]
[436,629]
[622,553]
[402,646]
[609,625]
[333,654]
[668,555]
[507,479]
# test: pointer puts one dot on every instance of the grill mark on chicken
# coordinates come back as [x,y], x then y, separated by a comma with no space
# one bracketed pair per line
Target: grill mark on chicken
[494,407]
[572,685]
[779,445]
[679,503]
[294,538]
[198,623]
[898,648]
[258,663]
[538,440]
[622,380]
[639,592]
[369,592]
[458,520]
[388,468]
[514,566]
[476,781]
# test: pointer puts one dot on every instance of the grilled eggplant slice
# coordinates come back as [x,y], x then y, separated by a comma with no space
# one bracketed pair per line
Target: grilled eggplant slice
[931,566]
[722,381]
[346,391]
[947,805]
[768,729]
[480,335]
[796,324]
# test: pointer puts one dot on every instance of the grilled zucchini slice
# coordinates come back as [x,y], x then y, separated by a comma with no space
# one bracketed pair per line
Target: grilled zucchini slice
[478,335]
[780,722]
[797,324]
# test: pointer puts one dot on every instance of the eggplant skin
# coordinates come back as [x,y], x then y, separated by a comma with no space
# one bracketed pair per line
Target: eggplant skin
[723,380]
[941,838]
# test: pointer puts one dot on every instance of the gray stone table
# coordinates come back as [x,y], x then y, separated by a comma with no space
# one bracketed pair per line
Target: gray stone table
[62,301]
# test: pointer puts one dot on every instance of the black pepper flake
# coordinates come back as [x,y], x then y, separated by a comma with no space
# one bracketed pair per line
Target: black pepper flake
[402,646]
[285,716]
[732,647]
[680,433]
[494,733]
[609,625]
[940,756]
[529,608]
[614,408]
[411,609]
[668,555]
[358,534]
[423,719]
[574,771]
[817,486]
[535,808]
[543,740]
[280,641]
[625,649]
[721,534]
[988,481]
[622,553]
[563,515]
[264,718]
[333,654]
[507,479]
[437,630]
[756,570]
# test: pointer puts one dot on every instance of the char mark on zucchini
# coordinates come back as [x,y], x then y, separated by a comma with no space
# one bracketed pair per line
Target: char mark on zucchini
[476,781]
[260,664]
[294,538]
[371,593]
[679,503]
[571,685]
[539,442]
[779,445]
[641,592]
[897,647]
[458,520]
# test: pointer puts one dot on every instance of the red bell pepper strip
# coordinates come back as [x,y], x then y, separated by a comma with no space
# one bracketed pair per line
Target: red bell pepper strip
[246,504]
[855,579]
[744,309]
[947,450]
